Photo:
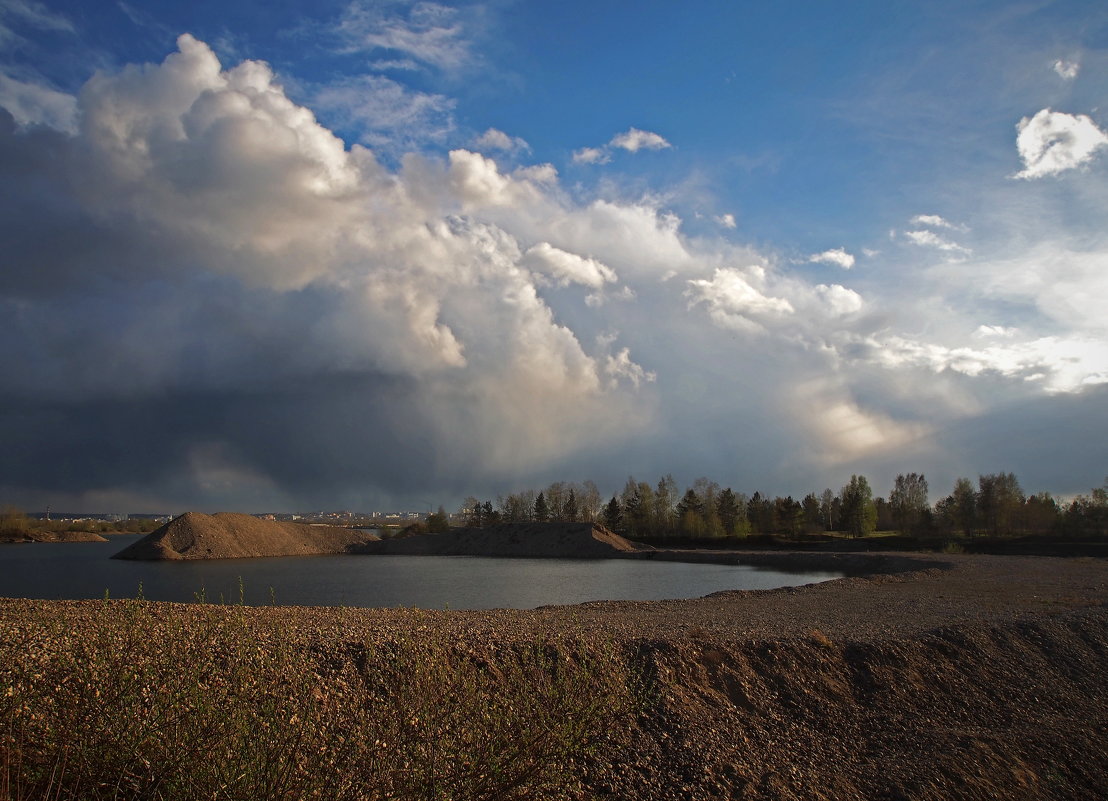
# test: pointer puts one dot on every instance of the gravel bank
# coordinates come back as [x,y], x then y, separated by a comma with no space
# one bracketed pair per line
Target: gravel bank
[969,677]
[535,540]
[230,535]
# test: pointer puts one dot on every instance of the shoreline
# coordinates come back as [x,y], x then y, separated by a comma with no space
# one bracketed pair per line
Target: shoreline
[958,676]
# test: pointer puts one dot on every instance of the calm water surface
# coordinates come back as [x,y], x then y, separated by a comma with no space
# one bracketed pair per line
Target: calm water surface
[84,570]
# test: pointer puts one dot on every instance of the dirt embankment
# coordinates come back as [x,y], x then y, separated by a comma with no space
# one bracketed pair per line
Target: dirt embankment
[1018,710]
[232,536]
[970,677]
[980,678]
[565,540]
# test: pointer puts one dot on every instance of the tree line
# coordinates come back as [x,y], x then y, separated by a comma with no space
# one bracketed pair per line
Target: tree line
[995,506]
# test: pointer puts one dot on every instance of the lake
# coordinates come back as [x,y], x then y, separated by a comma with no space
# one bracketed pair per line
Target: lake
[80,570]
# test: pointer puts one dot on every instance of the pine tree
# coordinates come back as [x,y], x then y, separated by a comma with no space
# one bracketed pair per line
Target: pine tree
[727,507]
[613,515]
[542,512]
[569,510]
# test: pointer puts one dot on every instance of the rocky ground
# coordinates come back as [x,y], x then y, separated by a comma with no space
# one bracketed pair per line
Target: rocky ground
[966,677]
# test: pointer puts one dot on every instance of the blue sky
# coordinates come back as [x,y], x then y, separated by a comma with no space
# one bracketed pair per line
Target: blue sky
[363,253]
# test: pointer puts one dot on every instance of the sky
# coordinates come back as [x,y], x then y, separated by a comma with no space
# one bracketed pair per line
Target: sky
[373,255]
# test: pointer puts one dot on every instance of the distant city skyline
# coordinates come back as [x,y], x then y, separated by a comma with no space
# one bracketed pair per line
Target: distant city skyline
[361,254]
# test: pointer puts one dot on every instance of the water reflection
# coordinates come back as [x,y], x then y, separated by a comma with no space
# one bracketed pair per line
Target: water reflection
[84,570]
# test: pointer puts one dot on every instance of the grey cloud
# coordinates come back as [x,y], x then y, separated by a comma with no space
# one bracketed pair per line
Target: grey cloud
[206,274]
[203,251]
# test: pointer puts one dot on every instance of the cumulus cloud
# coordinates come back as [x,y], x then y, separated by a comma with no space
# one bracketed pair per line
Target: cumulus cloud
[568,268]
[620,367]
[591,155]
[238,244]
[1066,70]
[737,299]
[838,300]
[726,221]
[494,139]
[635,140]
[930,239]
[1052,142]
[838,257]
[202,264]
[632,141]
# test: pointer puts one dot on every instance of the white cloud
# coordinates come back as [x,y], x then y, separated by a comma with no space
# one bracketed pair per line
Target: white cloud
[935,221]
[537,173]
[1066,69]
[839,300]
[28,12]
[621,367]
[635,140]
[394,64]
[388,113]
[567,268]
[591,155]
[494,139]
[430,33]
[995,331]
[736,299]
[930,239]
[31,104]
[1058,364]
[838,257]
[1066,287]
[726,221]
[1053,141]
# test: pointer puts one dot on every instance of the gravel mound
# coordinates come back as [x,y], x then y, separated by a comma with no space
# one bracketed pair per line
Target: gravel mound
[563,540]
[234,536]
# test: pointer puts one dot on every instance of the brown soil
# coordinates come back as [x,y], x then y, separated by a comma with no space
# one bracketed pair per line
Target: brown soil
[566,540]
[231,536]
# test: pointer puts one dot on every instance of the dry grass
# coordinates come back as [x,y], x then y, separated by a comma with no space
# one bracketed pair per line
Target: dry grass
[157,701]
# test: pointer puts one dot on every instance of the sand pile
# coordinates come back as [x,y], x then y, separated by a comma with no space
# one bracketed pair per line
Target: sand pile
[565,540]
[231,536]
